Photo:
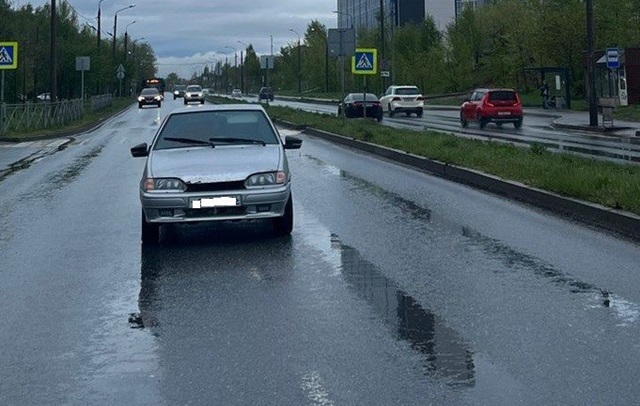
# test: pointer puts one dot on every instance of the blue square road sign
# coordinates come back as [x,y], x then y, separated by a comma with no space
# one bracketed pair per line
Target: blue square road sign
[8,55]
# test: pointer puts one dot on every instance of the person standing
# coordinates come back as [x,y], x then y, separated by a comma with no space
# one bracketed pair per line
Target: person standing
[544,92]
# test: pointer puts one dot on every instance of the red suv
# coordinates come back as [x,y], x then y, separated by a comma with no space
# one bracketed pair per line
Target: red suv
[492,105]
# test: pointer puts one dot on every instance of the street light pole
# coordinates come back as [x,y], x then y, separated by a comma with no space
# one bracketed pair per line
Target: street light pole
[99,13]
[242,67]
[126,37]
[115,26]
[593,107]
[299,70]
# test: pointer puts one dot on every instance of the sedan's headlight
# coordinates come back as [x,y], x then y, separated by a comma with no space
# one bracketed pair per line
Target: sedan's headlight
[265,179]
[140,98]
[176,92]
[164,185]
[158,97]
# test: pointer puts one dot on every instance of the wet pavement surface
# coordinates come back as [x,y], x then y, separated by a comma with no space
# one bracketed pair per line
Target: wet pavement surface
[395,288]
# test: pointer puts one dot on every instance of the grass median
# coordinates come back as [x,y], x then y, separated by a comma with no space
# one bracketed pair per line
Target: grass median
[90,119]
[609,184]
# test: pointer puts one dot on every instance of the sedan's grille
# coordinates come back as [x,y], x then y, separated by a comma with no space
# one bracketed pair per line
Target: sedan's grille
[215,187]
[215,212]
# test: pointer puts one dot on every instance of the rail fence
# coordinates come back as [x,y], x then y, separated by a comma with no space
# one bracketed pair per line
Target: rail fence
[43,115]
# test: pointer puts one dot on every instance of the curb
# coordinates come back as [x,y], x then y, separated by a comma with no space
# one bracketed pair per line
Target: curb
[616,221]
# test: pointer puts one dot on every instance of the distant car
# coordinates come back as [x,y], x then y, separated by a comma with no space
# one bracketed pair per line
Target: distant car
[206,92]
[266,93]
[355,104]
[236,93]
[217,163]
[492,105]
[403,99]
[149,95]
[178,91]
[44,97]
[193,93]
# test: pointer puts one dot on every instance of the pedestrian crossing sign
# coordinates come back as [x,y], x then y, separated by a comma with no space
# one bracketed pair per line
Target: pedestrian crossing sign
[365,61]
[8,55]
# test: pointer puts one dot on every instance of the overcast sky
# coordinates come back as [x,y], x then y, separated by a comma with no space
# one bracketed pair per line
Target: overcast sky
[187,34]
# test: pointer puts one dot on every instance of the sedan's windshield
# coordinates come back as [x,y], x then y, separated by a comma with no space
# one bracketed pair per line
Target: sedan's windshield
[149,92]
[209,127]
[194,89]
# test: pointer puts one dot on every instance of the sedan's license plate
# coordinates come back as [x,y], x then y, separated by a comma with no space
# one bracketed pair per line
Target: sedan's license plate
[224,201]
[504,113]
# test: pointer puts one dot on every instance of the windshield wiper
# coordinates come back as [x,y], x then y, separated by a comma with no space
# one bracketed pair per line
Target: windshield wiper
[237,141]
[189,141]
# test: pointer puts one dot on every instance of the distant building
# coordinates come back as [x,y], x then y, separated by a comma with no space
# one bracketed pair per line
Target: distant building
[460,5]
[365,13]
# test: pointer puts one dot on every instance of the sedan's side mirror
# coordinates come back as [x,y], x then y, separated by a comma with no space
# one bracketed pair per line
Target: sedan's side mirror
[140,150]
[292,142]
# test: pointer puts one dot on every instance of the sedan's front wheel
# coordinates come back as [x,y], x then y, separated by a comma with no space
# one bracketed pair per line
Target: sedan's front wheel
[284,225]
[150,231]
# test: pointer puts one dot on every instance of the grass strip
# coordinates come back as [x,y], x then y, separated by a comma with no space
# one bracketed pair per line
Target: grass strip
[606,183]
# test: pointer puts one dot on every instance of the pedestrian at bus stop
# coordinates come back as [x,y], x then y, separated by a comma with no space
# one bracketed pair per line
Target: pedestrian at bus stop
[544,92]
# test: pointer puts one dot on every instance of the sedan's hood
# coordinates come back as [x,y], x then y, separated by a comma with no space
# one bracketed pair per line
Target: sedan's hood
[219,164]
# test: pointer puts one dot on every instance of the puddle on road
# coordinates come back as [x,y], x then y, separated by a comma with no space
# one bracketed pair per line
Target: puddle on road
[391,199]
[58,180]
[446,356]
[626,312]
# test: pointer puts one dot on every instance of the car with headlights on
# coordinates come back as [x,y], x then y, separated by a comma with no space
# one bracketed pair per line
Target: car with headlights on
[216,163]
[178,91]
[403,99]
[193,93]
[361,105]
[149,95]
[236,93]
[497,106]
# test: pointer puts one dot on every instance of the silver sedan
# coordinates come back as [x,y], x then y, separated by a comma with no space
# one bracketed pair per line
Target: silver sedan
[215,163]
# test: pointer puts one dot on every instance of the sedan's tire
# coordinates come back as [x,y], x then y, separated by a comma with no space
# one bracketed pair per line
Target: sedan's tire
[284,225]
[391,112]
[482,123]
[174,97]
[139,105]
[159,104]
[419,113]
[185,102]
[518,124]
[379,118]
[201,101]
[150,231]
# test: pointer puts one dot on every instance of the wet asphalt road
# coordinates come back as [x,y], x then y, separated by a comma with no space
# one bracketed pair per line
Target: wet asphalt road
[395,288]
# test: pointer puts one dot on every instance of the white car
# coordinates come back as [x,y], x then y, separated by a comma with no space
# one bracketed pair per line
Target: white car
[44,97]
[193,93]
[403,99]
[236,93]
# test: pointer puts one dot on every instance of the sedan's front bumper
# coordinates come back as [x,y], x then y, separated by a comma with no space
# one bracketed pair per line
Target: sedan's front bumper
[176,207]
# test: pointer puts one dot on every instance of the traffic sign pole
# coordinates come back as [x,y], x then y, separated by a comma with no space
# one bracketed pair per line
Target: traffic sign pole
[2,88]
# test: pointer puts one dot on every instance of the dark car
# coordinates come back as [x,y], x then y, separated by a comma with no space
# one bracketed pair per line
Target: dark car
[179,91]
[355,105]
[266,93]
[149,95]
[492,106]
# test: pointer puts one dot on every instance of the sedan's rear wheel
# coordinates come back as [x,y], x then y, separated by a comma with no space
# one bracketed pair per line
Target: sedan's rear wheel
[284,225]
[518,124]
[482,122]
[150,231]
[391,112]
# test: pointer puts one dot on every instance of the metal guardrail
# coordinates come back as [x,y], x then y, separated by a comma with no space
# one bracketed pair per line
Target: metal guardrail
[44,115]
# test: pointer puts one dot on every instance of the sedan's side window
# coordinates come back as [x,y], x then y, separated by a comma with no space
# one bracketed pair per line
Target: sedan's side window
[388,92]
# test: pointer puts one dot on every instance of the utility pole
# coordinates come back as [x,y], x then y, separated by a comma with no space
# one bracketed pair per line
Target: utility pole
[593,107]
[53,71]
[382,60]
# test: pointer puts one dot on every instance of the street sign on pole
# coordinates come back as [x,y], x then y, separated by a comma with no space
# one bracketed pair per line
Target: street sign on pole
[8,55]
[365,61]
[83,63]
[613,58]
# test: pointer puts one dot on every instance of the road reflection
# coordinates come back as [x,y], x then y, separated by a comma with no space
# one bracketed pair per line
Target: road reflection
[447,356]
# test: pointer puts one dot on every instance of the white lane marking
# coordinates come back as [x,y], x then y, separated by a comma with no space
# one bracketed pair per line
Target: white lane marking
[316,393]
